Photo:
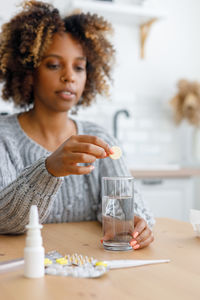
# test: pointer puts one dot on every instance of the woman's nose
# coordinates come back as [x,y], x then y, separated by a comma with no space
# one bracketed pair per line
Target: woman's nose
[67,76]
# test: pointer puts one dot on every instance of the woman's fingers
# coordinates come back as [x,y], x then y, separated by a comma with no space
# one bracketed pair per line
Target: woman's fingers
[82,158]
[94,140]
[87,144]
[108,236]
[143,239]
[139,225]
[78,170]
[146,241]
[77,149]
[91,149]
[142,235]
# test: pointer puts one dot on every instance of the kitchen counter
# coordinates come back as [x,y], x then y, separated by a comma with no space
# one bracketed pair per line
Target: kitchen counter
[171,191]
[174,240]
[184,172]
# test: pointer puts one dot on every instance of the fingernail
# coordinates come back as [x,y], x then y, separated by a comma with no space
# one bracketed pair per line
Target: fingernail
[111,151]
[133,243]
[91,168]
[136,246]
[135,234]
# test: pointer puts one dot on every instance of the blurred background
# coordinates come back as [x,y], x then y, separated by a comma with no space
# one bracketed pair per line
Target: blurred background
[157,43]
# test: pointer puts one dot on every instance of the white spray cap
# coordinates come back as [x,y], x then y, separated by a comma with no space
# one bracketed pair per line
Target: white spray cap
[33,218]
[33,251]
[33,238]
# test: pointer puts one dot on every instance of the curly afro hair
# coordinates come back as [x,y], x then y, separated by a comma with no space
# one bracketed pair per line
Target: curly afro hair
[24,40]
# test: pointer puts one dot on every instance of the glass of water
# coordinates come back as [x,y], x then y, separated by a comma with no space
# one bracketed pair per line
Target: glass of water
[117,212]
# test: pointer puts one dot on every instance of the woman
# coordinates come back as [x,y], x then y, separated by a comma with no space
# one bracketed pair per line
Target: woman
[48,66]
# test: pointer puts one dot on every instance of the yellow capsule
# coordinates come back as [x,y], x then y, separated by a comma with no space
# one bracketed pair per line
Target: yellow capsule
[81,262]
[101,263]
[62,261]
[47,262]
[59,259]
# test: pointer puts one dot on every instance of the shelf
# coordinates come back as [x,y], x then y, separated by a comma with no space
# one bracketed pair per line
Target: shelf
[125,14]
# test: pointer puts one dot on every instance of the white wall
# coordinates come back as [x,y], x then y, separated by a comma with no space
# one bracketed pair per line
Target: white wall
[144,87]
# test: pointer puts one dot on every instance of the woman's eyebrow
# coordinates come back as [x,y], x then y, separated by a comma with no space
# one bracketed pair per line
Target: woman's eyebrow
[82,58]
[60,57]
[54,55]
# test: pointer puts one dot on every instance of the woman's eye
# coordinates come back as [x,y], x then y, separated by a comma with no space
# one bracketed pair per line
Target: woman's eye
[53,66]
[80,68]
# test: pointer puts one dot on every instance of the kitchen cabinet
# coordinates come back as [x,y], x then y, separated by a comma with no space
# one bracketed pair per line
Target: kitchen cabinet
[168,197]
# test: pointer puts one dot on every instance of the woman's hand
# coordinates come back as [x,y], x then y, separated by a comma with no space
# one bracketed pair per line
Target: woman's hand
[77,149]
[142,234]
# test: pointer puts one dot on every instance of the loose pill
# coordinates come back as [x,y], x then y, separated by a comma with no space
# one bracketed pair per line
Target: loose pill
[117,152]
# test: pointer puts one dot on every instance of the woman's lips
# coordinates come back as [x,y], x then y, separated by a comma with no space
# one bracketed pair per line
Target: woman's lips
[66,95]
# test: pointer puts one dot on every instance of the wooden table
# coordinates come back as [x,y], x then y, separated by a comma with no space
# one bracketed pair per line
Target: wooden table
[179,279]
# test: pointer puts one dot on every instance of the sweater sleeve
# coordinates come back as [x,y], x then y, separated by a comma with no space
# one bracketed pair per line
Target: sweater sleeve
[112,168]
[19,190]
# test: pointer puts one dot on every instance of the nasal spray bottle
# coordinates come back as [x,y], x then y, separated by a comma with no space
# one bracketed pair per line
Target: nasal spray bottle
[33,251]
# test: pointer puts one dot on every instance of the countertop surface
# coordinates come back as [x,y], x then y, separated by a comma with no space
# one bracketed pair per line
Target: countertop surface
[174,171]
[174,240]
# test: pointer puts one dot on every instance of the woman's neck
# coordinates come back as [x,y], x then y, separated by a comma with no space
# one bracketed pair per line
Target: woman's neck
[49,130]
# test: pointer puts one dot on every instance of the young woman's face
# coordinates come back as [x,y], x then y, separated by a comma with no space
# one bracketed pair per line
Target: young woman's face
[60,79]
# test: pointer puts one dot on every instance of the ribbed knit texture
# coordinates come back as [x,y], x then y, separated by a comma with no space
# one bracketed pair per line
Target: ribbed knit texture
[24,181]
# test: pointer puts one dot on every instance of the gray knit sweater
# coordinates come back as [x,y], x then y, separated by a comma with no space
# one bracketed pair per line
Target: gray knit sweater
[24,181]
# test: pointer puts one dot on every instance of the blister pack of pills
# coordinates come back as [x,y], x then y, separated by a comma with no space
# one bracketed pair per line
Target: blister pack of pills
[75,265]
